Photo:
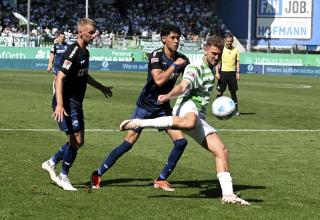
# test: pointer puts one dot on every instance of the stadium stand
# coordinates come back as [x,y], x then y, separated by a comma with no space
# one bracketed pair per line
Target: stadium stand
[132,26]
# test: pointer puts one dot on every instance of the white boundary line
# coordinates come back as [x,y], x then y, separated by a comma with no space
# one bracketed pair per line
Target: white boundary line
[150,130]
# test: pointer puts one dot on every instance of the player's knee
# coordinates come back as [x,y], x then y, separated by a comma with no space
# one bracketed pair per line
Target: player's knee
[80,143]
[77,144]
[219,150]
[190,126]
[189,123]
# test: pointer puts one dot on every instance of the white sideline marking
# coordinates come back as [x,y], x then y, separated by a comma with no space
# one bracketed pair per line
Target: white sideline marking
[294,86]
[155,130]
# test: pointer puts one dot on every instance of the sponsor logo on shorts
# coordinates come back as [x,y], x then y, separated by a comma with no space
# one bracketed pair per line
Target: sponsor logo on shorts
[75,123]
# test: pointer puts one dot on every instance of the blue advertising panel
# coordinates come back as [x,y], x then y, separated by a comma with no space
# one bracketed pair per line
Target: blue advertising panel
[41,64]
[280,70]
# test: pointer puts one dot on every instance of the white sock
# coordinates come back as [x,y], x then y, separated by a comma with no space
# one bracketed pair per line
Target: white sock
[63,176]
[51,163]
[161,122]
[225,183]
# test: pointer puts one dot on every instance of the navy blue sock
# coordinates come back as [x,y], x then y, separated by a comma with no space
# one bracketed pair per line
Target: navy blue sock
[59,155]
[177,151]
[68,158]
[113,156]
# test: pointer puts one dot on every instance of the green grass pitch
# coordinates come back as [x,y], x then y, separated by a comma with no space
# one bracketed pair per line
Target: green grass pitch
[274,154]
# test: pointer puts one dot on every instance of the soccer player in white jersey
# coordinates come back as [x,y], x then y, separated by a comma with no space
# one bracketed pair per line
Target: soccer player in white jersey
[189,113]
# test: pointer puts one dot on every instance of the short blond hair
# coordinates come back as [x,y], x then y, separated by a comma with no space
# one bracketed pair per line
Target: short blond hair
[86,21]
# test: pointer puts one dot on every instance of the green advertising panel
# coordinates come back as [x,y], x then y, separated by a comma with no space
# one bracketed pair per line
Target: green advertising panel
[96,54]
[100,54]
[280,59]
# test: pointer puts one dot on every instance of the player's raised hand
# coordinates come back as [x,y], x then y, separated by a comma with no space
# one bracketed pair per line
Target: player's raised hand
[59,113]
[107,91]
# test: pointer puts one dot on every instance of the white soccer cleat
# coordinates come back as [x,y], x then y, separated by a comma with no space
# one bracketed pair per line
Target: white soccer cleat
[234,199]
[65,183]
[130,124]
[50,168]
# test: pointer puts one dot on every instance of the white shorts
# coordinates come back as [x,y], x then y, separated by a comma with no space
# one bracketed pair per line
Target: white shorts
[202,129]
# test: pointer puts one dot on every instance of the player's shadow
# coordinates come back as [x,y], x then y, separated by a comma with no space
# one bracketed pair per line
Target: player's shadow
[123,182]
[208,189]
[247,113]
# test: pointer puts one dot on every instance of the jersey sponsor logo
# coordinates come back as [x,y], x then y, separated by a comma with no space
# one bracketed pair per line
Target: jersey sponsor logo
[154,60]
[73,52]
[66,64]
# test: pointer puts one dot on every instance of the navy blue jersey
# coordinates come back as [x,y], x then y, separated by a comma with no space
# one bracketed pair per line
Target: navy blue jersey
[149,95]
[58,50]
[75,65]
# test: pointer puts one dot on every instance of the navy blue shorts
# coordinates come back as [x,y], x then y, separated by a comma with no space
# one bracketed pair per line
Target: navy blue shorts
[74,122]
[142,113]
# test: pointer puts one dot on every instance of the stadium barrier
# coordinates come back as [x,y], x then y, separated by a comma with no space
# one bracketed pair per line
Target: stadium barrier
[42,64]
[280,64]
[135,61]
[95,54]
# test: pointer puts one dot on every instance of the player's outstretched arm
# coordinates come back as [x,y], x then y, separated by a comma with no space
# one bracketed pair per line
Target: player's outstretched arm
[106,90]
[176,91]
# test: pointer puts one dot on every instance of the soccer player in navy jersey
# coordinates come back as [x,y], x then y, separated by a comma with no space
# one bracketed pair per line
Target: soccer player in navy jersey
[55,56]
[165,65]
[71,84]
[56,53]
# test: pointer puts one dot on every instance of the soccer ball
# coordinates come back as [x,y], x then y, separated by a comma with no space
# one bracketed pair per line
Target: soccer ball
[223,107]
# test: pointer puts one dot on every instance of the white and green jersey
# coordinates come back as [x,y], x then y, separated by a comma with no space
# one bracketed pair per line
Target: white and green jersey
[202,81]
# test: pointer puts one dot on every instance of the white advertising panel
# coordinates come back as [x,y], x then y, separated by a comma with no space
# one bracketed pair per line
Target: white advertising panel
[290,19]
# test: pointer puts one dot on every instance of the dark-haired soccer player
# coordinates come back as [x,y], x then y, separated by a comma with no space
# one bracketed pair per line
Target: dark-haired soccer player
[55,56]
[189,113]
[71,84]
[56,53]
[165,65]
